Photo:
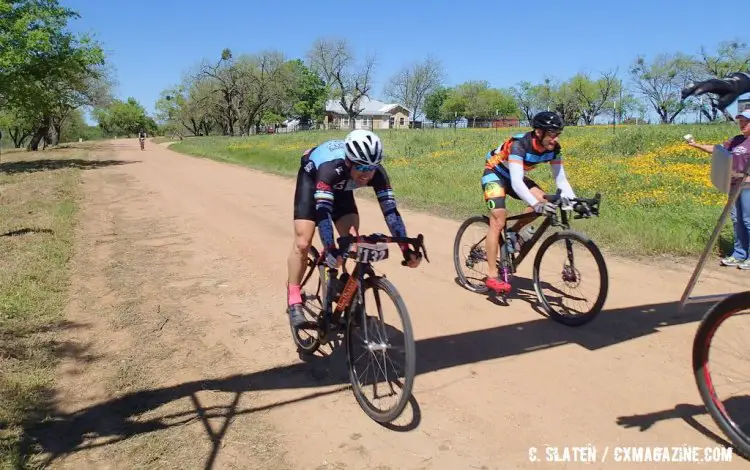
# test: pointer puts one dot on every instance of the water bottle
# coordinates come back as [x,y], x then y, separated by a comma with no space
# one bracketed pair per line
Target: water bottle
[527,233]
[510,242]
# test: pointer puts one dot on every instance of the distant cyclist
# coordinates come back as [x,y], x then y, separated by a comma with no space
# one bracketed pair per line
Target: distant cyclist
[142,138]
[505,174]
[323,197]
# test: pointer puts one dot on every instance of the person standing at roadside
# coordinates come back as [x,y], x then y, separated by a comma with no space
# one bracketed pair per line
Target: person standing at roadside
[739,146]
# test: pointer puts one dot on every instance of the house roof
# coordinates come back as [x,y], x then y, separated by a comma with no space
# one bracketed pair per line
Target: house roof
[367,105]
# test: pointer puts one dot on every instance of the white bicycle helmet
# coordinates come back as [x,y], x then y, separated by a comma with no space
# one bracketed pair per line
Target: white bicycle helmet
[364,147]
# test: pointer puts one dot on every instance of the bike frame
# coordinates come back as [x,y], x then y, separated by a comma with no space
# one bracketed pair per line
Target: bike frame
[360,270]
[550,220]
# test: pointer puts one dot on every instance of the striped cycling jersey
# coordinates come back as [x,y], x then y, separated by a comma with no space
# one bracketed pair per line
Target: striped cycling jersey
[521,148]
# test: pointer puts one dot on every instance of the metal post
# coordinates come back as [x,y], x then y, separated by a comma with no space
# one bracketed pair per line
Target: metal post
[686,299]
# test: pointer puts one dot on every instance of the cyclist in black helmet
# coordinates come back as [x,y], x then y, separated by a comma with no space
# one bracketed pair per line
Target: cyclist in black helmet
[504,174]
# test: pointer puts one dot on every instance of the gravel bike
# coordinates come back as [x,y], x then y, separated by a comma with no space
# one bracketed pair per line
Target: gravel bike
[348,318]
[509,258]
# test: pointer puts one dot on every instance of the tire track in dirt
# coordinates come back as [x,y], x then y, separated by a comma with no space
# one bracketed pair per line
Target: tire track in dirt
[181,269]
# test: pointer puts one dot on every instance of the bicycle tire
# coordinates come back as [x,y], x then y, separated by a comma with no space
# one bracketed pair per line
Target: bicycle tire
[711,321]
[481,288]
[314,344]
[385,285]
[580,319]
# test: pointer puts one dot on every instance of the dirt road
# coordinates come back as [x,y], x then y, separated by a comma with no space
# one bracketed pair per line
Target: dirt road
[178,302]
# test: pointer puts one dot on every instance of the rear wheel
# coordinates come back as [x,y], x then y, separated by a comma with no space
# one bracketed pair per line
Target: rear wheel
[469,253]
[371,339]
[552,291]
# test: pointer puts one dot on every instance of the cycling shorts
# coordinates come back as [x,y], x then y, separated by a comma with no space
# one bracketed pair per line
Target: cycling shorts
[496,186]
[304,200]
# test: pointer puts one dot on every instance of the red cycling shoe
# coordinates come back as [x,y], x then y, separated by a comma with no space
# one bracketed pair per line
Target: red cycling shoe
[498,285]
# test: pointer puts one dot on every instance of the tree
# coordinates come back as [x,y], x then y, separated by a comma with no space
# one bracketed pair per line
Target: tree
[660,81]
[411,85]
[309,93]
[433,103]
[529,97]
[29,28]
[453,106]
[594,95]
[564,100]
[333,61]
[730,56]
[265,83]
[124,118]
[75,128]
[225,77]
[18,125]
[497,102]
[44,69]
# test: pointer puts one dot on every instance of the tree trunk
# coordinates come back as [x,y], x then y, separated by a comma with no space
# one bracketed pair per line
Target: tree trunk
[40,133]
[18,135]
[53,136]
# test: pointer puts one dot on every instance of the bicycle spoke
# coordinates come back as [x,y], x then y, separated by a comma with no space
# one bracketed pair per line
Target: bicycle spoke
[564,288]
[380,365]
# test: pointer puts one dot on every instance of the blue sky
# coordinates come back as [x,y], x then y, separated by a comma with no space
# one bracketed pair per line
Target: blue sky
[152,44]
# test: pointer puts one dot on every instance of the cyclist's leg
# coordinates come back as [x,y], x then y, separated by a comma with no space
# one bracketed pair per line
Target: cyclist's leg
[536,191]
[734,258]
[345,213]
[494,197]
[304,230]
[742,229]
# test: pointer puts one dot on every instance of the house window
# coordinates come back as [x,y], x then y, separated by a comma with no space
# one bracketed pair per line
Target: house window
[401,121]
[345,121]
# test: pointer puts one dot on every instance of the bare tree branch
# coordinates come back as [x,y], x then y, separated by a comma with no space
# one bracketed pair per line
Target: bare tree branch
[333,61]
[411,85]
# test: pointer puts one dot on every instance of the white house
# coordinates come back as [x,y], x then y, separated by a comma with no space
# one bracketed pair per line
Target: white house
[373,114]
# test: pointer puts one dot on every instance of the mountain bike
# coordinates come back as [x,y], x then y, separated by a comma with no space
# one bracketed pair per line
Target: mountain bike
[348,318]
[732,306]
[509,258]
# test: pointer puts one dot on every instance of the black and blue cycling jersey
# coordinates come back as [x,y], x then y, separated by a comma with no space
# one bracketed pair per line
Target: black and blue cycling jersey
[325,167]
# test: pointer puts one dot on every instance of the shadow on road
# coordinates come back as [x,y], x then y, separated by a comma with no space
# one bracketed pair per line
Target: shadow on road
[735,407]
[120,419]
[30,166]
[26,231]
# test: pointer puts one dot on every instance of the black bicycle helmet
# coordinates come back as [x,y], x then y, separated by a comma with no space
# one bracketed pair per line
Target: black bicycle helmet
[548,121]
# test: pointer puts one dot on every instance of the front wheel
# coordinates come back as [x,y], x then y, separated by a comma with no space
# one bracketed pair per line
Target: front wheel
[470,253]
[370,338]
[736,428]
[313,290]
[567,275]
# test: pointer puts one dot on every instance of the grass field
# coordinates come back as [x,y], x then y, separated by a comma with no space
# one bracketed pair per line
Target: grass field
[37,210]
[657,198]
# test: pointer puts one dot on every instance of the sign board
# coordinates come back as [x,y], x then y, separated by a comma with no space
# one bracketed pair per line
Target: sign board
[721,168]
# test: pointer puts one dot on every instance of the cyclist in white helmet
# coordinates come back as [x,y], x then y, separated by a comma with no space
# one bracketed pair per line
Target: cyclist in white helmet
[324,197]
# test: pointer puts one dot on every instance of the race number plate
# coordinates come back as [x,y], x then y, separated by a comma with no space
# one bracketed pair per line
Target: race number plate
[372,252]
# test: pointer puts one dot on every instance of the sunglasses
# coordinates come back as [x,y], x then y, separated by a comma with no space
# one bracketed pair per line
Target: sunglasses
[365,168]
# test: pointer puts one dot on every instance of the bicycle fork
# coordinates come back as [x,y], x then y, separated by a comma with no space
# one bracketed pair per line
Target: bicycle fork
[569,270]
